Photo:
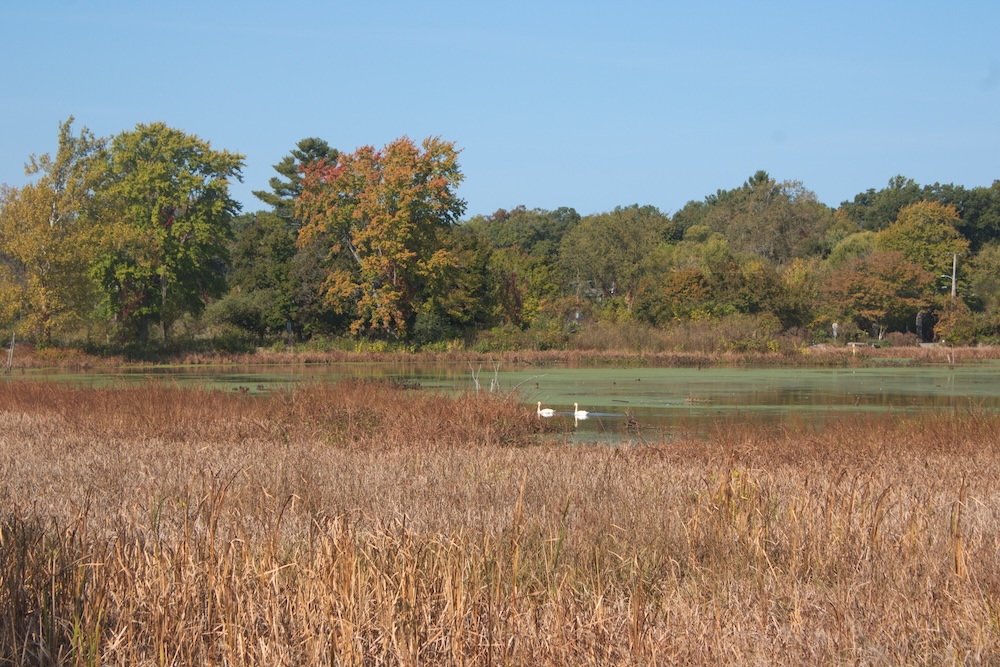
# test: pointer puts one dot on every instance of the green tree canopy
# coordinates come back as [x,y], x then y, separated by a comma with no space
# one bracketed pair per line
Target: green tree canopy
[615,252]
[984,278]
[924,232]
[978,210]
[855,246]
[537,232]
[775,221]
[877,209]
[44,282]
[261,297]
[522,270]
[166,222]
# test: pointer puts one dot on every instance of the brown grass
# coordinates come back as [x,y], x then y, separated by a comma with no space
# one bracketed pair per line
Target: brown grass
[369,524]
[27,357]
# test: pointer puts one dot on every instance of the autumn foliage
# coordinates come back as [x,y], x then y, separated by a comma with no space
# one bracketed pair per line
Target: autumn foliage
[382,214]
[122,233]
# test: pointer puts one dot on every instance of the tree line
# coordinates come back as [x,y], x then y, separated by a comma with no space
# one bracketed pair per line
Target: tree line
[135,240]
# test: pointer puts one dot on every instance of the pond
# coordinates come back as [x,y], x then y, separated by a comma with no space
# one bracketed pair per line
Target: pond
[661,400]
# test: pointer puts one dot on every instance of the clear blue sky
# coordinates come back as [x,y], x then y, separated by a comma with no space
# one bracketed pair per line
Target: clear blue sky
[583,104]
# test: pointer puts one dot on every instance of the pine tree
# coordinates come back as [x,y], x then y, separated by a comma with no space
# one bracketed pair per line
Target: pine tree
[282,196]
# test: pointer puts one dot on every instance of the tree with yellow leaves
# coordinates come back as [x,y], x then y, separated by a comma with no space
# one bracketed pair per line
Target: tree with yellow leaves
[925,233]
[47,241]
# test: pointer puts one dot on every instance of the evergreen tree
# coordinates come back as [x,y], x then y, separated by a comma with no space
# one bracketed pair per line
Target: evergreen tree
[282,196]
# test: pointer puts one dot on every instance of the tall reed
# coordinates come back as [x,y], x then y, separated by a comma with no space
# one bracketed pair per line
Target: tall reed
[368,524]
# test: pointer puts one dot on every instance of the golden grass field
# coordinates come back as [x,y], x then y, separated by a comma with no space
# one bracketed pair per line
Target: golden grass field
[367,524]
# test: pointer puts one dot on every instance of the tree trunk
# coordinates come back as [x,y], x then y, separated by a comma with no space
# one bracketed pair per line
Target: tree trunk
[163,307]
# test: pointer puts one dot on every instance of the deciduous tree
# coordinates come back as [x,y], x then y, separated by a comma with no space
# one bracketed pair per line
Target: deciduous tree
[776,221]
[522,270]
[925,233]
[984,279]
[615,252]
[856,246]
[260,298]
[47,239]
[680,294]
[44,283]
[384,215]
[881,292]
[167,220]
[877,209]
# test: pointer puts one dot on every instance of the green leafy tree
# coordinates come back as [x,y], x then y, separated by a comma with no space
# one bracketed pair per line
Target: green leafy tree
[614,253]
[776,221]
[802,281]
[841,228]
[978,210]
[168,217]
[307,274]
[984,279]
[457,297]
[261,250]
[877,209]
[261,298]
[521,284]
[750,287]
[855,246]
[692,214]
[924,232]
[272,281]
[384,215]
[700,248]
[522,267]
[536,232]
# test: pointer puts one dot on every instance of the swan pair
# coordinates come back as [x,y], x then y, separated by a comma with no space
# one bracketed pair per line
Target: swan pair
[548,412]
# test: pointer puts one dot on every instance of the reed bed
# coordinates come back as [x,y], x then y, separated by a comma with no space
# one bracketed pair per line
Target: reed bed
[27,357]
[798,356]
[368,524]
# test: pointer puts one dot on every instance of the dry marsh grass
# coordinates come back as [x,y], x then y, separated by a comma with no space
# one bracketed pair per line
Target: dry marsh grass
[799,356]
[27,357]
[365,524]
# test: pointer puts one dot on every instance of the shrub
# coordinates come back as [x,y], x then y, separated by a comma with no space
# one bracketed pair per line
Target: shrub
[900,339]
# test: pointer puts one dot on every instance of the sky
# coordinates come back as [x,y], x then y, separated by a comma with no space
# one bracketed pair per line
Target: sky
[590,105]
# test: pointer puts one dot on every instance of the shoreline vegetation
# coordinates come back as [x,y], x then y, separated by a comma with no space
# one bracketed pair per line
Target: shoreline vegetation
[131,248]
[27,356]
[364,523]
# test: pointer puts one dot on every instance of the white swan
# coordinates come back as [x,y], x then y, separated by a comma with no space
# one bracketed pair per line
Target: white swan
[545,412]
[578,413]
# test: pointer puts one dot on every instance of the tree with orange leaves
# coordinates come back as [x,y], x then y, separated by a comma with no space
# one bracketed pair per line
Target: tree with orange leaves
[881,292]
[385,217]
